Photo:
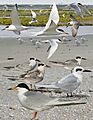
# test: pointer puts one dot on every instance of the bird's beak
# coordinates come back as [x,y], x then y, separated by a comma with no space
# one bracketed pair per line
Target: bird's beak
[84,59]
[87,71]
[38,60]
[13,88]
[59,40]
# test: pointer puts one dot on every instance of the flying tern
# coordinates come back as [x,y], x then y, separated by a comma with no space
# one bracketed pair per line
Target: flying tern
[16,26]
[79,9]
[50,30]
[53,46]
[75,25]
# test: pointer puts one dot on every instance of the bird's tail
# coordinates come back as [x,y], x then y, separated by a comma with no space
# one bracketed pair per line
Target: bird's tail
[49,86]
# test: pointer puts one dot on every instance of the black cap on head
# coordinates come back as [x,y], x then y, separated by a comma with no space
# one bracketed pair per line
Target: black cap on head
[78,57]
[79,69]
[41,64]
[23,85]
[79,4]
[32,58]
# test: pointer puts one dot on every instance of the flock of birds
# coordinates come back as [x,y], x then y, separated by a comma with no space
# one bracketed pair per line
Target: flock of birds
[29,96]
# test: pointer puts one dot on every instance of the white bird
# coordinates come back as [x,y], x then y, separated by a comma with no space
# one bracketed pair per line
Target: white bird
[51,26]
[71,63]
[75,25]
[53,46]
[16,26]
[37,101]
[69,83]
[33,17]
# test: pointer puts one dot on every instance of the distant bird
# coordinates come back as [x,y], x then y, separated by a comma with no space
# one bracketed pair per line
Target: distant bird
[79,9]
[69,83]
[53,46]
[70,64]
[33,17]
[37,101]
[75,25]
[35,76]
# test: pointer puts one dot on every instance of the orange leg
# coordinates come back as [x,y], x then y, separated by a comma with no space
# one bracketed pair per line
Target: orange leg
[35,113]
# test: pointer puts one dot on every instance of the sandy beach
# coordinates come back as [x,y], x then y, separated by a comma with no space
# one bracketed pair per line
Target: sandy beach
[11,109]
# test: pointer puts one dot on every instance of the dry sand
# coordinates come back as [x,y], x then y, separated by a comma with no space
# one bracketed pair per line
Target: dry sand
[11,109]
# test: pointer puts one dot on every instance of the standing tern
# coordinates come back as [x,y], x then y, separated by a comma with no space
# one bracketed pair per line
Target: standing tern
[37,101]
[53,46]
[30,65]
[35,76]
[69,64]
[69,83]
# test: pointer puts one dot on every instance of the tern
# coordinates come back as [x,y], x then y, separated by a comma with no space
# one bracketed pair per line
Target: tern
[50,30]
[33,17]
[16,26]
[37,101]
[79,9]
[75,25]
[69,64]
[69,83]
[33,77]
[30,65]
[53,46]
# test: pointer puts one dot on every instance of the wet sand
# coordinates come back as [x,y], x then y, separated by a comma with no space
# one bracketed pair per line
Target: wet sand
[10,108]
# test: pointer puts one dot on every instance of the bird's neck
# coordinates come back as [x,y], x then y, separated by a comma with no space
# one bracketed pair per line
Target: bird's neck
[78,75]
[79,61]
[21,95]
[32,63]
[41,69]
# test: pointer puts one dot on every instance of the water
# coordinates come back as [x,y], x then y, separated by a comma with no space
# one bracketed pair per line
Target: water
[83,30]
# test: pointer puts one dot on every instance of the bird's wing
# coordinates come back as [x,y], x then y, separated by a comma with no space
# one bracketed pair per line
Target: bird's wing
[33,14]
[33,74]
[66,82]
[15,17]
[69,62]
[51,25]
[74,31]
[36,101]
[76,9]
[63,84]
[53,48]
[17,32]
[84,9]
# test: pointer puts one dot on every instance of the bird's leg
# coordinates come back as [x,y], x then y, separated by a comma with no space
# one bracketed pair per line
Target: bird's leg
[71,95]
[35,113]
[34,118]
[67,95]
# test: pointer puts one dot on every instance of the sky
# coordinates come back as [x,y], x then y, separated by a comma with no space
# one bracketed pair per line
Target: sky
[45,1]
